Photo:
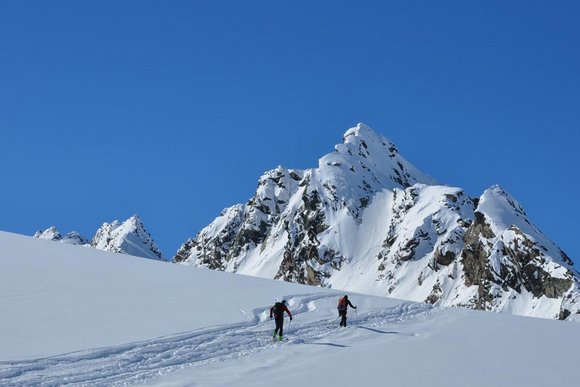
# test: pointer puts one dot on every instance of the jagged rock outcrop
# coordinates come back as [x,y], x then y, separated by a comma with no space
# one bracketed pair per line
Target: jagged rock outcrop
[52,234]
[366,220]
[128,237]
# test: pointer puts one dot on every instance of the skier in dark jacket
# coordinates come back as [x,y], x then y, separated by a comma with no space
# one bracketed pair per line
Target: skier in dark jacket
[278,311]
[342,307]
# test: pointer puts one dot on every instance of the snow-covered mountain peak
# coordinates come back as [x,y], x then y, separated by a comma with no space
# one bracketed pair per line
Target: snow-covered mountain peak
[129,237]
[367,220]
[370,161]
[506,218]
[74,238]
[363,135]
[134,221]
[362,141]
[362,132]
[497,202]
[50,234]
[502,211]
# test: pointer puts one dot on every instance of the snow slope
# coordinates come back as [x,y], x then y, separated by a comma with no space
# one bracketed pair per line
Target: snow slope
[78,316]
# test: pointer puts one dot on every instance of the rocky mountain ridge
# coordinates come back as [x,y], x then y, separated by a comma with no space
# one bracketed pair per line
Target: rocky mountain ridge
[128,237]
[367,220]
[52,234]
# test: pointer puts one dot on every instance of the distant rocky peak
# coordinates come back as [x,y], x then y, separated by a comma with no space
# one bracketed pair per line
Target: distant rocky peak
[129,237]
[74,238]
[363,135]
[360,132]
[134,221]
[361,142]
[371,160]
[364,164]
[497,196]
[50,234]
[131,224]
[505,212]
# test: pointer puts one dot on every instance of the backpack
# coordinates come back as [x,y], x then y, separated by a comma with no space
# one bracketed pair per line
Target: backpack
[278,309]
[342,304]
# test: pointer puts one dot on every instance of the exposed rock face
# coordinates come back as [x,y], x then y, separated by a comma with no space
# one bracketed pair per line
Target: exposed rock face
[366,220]
[303,261]
[129,237]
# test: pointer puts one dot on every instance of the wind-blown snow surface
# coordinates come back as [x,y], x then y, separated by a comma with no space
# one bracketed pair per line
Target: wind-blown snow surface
[78,316]
[366,220]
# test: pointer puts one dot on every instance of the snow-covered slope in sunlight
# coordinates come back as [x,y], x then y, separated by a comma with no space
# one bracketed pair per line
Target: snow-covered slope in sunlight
[366,220]
[78,316]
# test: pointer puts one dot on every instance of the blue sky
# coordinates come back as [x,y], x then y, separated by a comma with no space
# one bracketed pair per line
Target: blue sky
[174,109]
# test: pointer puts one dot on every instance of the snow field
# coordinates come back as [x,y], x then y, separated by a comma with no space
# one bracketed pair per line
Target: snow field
[82,317]
[138,362]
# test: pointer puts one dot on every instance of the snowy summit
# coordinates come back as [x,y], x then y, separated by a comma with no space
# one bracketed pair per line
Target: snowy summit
[52,234]
[129,237]
[367,220]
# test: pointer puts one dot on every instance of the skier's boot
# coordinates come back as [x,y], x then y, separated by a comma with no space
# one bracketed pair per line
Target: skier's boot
[280,338]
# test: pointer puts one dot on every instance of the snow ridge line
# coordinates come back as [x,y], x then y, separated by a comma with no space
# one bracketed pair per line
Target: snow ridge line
[141,361]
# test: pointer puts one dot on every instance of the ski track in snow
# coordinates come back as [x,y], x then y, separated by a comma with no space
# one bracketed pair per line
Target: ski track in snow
[145,360]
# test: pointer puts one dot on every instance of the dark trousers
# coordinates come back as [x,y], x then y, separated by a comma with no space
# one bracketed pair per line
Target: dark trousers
[279,326]
[342,315]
